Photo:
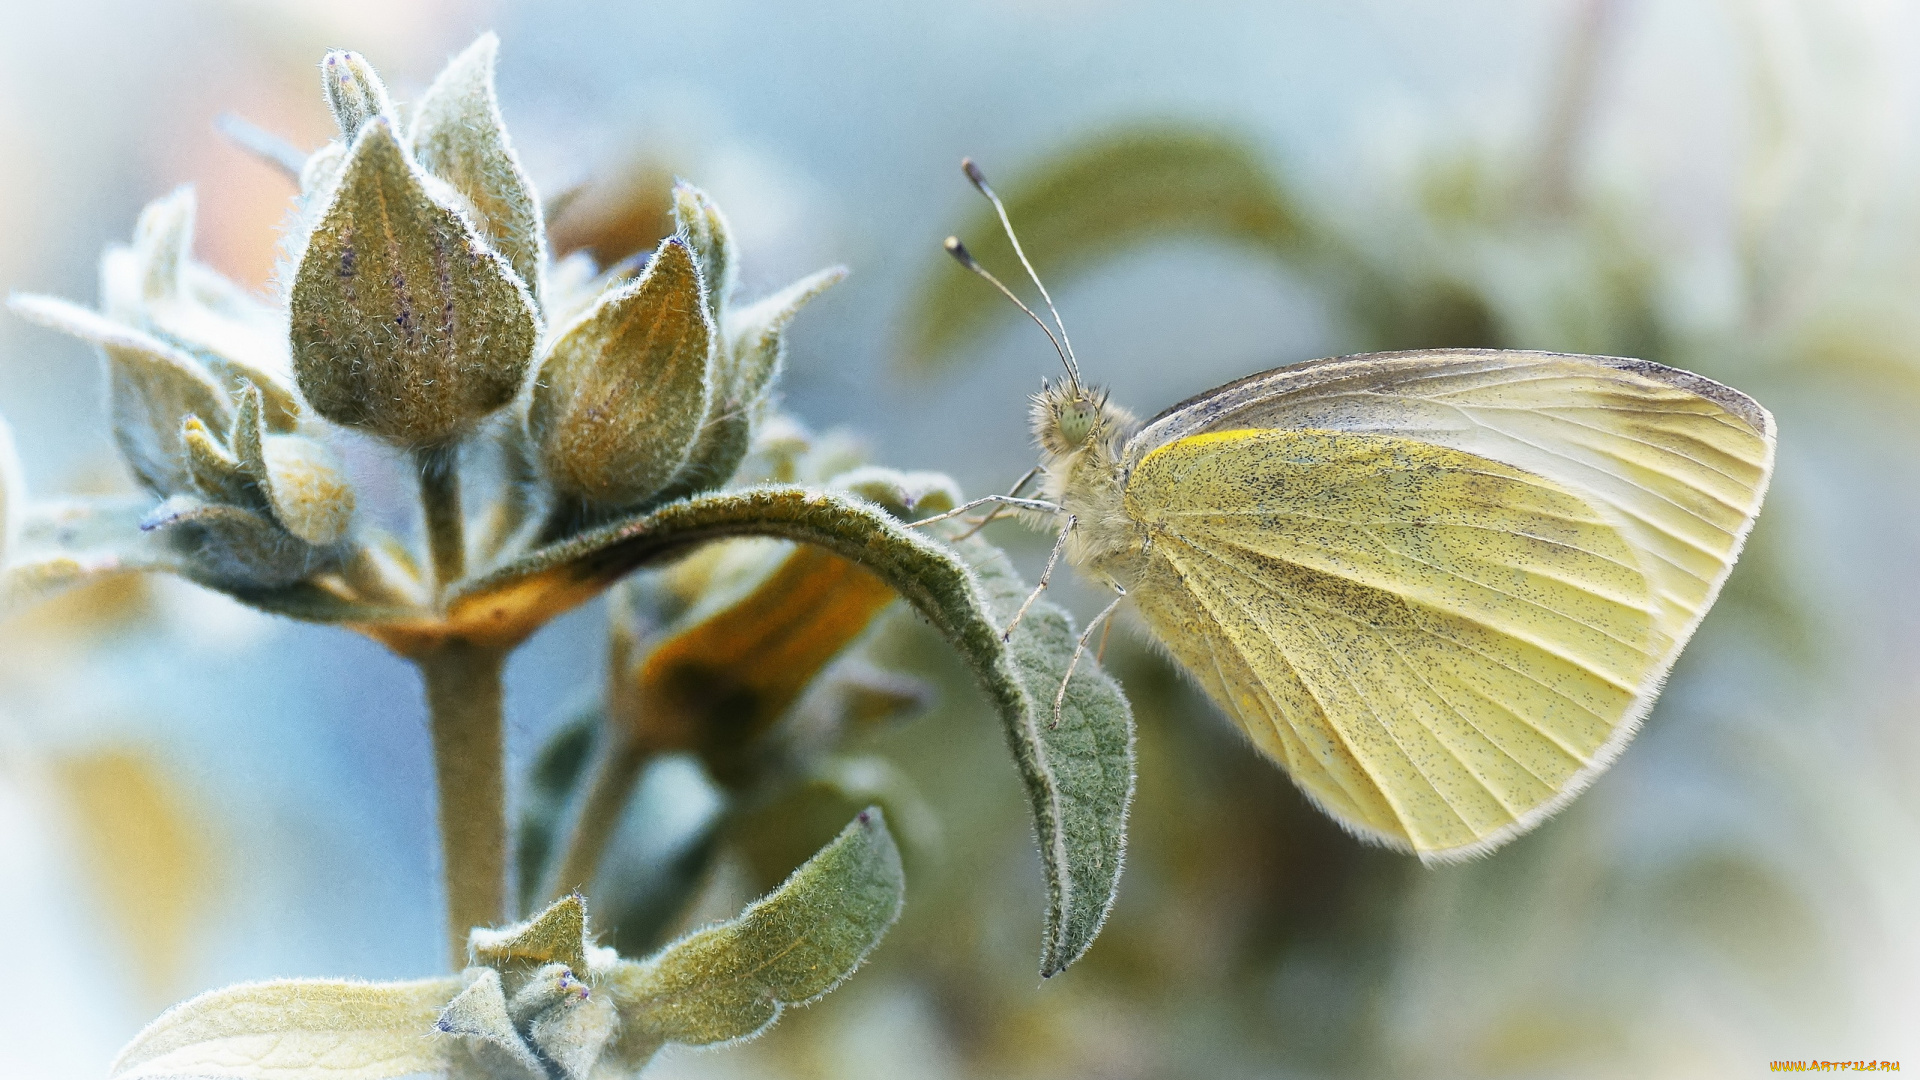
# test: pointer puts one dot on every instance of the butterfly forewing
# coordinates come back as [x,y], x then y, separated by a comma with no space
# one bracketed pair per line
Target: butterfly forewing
[1435,644]
[1681,462]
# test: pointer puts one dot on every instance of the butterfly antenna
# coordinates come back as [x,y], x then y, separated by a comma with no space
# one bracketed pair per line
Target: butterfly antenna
[980,181]
[965,258]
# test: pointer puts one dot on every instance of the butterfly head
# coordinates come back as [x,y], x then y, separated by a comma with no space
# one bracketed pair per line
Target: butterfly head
[1068,417]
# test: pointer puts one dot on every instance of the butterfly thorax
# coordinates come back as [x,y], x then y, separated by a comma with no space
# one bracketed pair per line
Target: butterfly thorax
[1081,435]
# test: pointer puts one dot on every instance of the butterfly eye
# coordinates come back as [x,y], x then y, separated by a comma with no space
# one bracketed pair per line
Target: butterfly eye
[1077,421]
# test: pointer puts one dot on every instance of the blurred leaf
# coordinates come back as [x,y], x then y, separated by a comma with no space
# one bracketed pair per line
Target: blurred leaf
[626,210]
[1863,349]
[557,771]
[1750,913]
[295,1029]
[779,835]
[1086,203]
[13,491]
[154,388]
[789,948]
[716,687]
[76,540]
[147,854]
[644,904]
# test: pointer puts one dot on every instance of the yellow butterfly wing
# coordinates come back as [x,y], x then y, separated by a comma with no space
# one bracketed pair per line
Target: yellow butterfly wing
[1680,461]
[1442,646]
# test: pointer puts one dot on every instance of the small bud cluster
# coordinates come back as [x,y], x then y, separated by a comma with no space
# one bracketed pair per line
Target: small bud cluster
[420,303]
[202,410]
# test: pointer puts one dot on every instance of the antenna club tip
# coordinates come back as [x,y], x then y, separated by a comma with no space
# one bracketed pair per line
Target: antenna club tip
[959,251]
[974,174]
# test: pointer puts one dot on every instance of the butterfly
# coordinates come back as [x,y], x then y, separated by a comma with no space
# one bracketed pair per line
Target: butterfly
[1440,589]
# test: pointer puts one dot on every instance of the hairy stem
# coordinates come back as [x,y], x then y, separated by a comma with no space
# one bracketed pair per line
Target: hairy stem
[440,498]
[463,709]
[616,767]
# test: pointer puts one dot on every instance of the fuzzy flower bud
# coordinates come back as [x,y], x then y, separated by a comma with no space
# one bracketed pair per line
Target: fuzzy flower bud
[404,323]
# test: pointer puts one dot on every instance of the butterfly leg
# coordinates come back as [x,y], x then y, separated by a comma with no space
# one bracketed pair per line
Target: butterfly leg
[1037,505]
[1013,492]
[1046,575]
[1060,699]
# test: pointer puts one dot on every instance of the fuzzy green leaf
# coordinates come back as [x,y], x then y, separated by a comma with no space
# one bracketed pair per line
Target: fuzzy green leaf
[295,1029]
[153,389]
[354,92]
[791,947]
[558,935]
[756,334]
[458,136]
[229,547]
[711,238]
[295,479]
[404,323]
[623,393]
[1079,775]
[1083,205]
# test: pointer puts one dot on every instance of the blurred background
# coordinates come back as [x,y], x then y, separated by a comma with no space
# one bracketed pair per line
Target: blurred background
[192,794]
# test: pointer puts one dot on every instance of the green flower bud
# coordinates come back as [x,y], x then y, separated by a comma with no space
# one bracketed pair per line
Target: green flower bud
[458,136]
[744,369]
[707,232]
[354,92]
[298,480]
[572,1025]
[404,323]
[623,393]
[479,1013]
[216,472]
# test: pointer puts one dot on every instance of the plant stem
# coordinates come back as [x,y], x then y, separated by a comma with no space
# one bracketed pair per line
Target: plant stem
[616,766]
[464,712]
[439,470]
